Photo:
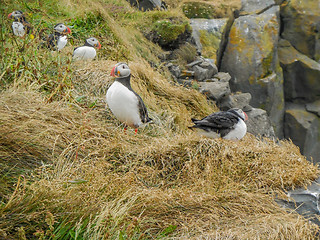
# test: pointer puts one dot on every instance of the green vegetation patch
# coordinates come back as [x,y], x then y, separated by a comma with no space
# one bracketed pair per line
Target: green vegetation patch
[198,10]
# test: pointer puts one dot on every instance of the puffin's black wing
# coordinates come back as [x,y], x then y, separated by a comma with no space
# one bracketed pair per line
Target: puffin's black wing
[51,41]
[74,50]
[142,110]
[220,122]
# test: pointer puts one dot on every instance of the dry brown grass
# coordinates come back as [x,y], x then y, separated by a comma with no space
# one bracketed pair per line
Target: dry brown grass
[92,170]
[80,173]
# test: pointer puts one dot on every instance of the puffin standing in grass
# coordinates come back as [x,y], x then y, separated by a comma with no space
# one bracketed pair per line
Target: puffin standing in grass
[87,51]
[20,26]
[123,101]
[58,39]
[227,125]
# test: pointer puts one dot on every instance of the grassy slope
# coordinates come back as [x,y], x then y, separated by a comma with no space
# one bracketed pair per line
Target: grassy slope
[69,171]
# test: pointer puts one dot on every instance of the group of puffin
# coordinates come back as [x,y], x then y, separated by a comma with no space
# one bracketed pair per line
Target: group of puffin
[57,40]
[129,108]
[126,105]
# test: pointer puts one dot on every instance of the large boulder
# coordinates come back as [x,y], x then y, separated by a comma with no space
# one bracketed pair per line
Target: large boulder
[301,26]
[235,100]
[301,74]
[207,35]
[255,6]
[303,128]
[258,123]
[251,58]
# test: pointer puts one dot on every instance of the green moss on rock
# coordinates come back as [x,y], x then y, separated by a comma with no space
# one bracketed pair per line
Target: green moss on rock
[198,10]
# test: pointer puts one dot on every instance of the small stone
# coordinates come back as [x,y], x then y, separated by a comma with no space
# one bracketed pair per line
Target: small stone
[174,70]
[223,76]
[194,63]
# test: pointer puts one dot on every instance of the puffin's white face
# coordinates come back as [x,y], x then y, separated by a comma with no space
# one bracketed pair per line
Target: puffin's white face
[120,70]
[15,14]
[93,42]
[239,112]
[61,28]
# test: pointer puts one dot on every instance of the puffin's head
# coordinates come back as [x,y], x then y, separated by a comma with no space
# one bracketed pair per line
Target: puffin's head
[61,28]
[120,70]
[93,42]
[16,14]
[238,112]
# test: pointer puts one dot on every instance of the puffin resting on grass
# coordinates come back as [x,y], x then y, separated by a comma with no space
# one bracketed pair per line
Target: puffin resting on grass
[58,40]
[20,26]
[87,51]
[123,101]
[227,125]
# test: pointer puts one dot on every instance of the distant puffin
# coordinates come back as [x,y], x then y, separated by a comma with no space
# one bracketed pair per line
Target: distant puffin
[227,125]
[58,39]
[86,51]
[123,101]
[20,26]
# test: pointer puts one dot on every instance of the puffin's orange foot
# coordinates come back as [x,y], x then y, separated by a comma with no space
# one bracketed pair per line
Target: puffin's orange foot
[135,131]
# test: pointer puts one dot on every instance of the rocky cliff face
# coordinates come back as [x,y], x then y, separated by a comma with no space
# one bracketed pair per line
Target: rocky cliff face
[271,51]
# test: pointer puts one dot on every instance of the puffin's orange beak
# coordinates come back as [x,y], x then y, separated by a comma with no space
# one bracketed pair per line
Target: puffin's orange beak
[10,15]
[99,45]
[67,31]
[112,71]
[246,116]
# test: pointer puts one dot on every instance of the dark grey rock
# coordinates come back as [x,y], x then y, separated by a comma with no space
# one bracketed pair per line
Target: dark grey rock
[214,90]
[302,128]
[203,69]
[194,63]
[251,58]
[301,74]
[237,100]
[301,25]
[223,76]
[259,124]
[314,107]
[146,4]
[210,67]
[174,70]
[255,6]
[200,73]
[213,29]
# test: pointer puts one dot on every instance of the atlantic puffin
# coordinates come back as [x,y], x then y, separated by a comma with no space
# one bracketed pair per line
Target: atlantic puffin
[58,39]
[20,26]
[87,51]
[123,101]
[225,124]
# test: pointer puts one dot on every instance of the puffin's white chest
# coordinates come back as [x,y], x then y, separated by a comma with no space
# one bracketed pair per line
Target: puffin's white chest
[18,29]
[124,104]
[62,42]
[84,53]
[240,129]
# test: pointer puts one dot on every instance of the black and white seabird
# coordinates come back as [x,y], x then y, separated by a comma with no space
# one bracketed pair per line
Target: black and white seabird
[58,39]
[123,101]
[87,51]
[227,125]
[20,26]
